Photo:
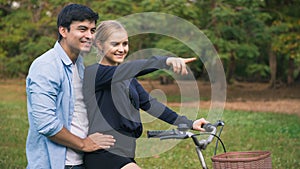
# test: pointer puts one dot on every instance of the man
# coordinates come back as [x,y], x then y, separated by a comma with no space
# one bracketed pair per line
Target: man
[58,124]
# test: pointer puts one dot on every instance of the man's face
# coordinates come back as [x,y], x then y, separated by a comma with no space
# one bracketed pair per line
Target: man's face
[79,38]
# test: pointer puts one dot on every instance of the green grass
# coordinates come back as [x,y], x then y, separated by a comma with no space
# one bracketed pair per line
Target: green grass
[13,127]
[244,131]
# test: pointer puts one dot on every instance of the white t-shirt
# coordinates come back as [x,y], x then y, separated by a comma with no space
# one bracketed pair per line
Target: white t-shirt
[79,124]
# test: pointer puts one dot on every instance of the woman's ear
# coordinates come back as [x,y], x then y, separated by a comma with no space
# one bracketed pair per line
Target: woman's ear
[98,45]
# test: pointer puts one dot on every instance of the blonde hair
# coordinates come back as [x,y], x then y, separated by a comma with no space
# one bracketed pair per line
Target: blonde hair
[106,28]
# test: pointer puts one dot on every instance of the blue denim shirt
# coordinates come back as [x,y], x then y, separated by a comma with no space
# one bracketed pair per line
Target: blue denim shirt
[50,105]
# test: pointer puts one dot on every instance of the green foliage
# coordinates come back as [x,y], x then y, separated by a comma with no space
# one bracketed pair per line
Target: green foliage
[241,31]
[181,50]
[26,33]
[258,70]
[155,75]
[288,43]
[284,27]
[113,9]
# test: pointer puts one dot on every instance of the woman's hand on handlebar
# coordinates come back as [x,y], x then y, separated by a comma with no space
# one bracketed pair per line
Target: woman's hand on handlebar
[197,125]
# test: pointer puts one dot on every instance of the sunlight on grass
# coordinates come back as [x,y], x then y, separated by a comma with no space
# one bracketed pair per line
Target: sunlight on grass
[13,128]
[243,131]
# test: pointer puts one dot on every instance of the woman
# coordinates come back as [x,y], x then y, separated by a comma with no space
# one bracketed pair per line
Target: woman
[113,97]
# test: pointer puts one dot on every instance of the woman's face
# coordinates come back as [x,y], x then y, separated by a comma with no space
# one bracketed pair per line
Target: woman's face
[115,48]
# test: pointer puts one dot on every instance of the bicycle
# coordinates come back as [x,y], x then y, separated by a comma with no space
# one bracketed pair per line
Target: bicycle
[228,160]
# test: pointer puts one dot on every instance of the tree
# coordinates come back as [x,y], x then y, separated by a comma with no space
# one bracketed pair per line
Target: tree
[237,30]
[27,30]
[284,45]
[257,40]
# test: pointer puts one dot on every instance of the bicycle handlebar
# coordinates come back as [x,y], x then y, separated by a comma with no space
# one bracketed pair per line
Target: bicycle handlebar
[162,133]
[182,133]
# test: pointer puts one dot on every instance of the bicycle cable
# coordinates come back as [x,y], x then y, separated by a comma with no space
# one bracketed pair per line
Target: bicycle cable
[219,139]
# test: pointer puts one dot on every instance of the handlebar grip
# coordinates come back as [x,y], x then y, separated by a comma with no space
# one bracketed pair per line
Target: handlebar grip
[153,134]
[160,133]
[208,127]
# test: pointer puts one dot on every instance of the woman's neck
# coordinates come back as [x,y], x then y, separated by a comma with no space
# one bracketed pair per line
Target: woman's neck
[107,62]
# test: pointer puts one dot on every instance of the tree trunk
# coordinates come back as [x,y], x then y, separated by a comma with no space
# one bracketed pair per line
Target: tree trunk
[290,75]
[231,67]
[273,67]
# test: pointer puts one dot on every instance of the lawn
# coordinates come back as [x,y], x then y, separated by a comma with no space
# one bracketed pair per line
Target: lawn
[243,131]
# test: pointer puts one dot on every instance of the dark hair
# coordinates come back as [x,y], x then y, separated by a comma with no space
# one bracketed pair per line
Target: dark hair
[75,12]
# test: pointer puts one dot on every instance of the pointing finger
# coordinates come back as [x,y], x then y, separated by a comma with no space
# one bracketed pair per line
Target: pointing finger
[188,60]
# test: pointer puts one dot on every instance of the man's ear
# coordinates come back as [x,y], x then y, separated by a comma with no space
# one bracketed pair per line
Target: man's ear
[62,30]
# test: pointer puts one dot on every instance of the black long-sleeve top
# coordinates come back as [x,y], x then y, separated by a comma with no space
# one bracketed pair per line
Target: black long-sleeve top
[113,97]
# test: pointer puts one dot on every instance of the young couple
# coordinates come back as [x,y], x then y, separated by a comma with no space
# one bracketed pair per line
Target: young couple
[72,111]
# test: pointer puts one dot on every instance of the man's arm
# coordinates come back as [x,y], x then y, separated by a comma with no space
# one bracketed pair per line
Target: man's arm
[91,143]
[43,86]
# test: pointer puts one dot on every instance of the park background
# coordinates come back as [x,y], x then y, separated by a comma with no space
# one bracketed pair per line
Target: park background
[257,41]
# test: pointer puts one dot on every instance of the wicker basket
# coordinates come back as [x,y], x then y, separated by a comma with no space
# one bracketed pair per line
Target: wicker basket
[243,160]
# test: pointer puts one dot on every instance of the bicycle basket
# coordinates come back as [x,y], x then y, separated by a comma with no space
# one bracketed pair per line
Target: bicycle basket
[243,160]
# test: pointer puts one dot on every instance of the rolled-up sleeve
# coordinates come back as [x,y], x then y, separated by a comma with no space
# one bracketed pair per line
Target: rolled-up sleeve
[43,87]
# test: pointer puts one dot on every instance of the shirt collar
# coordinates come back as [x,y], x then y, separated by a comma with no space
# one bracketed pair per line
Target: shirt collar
[80,66]
[62,54]
[67,61]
